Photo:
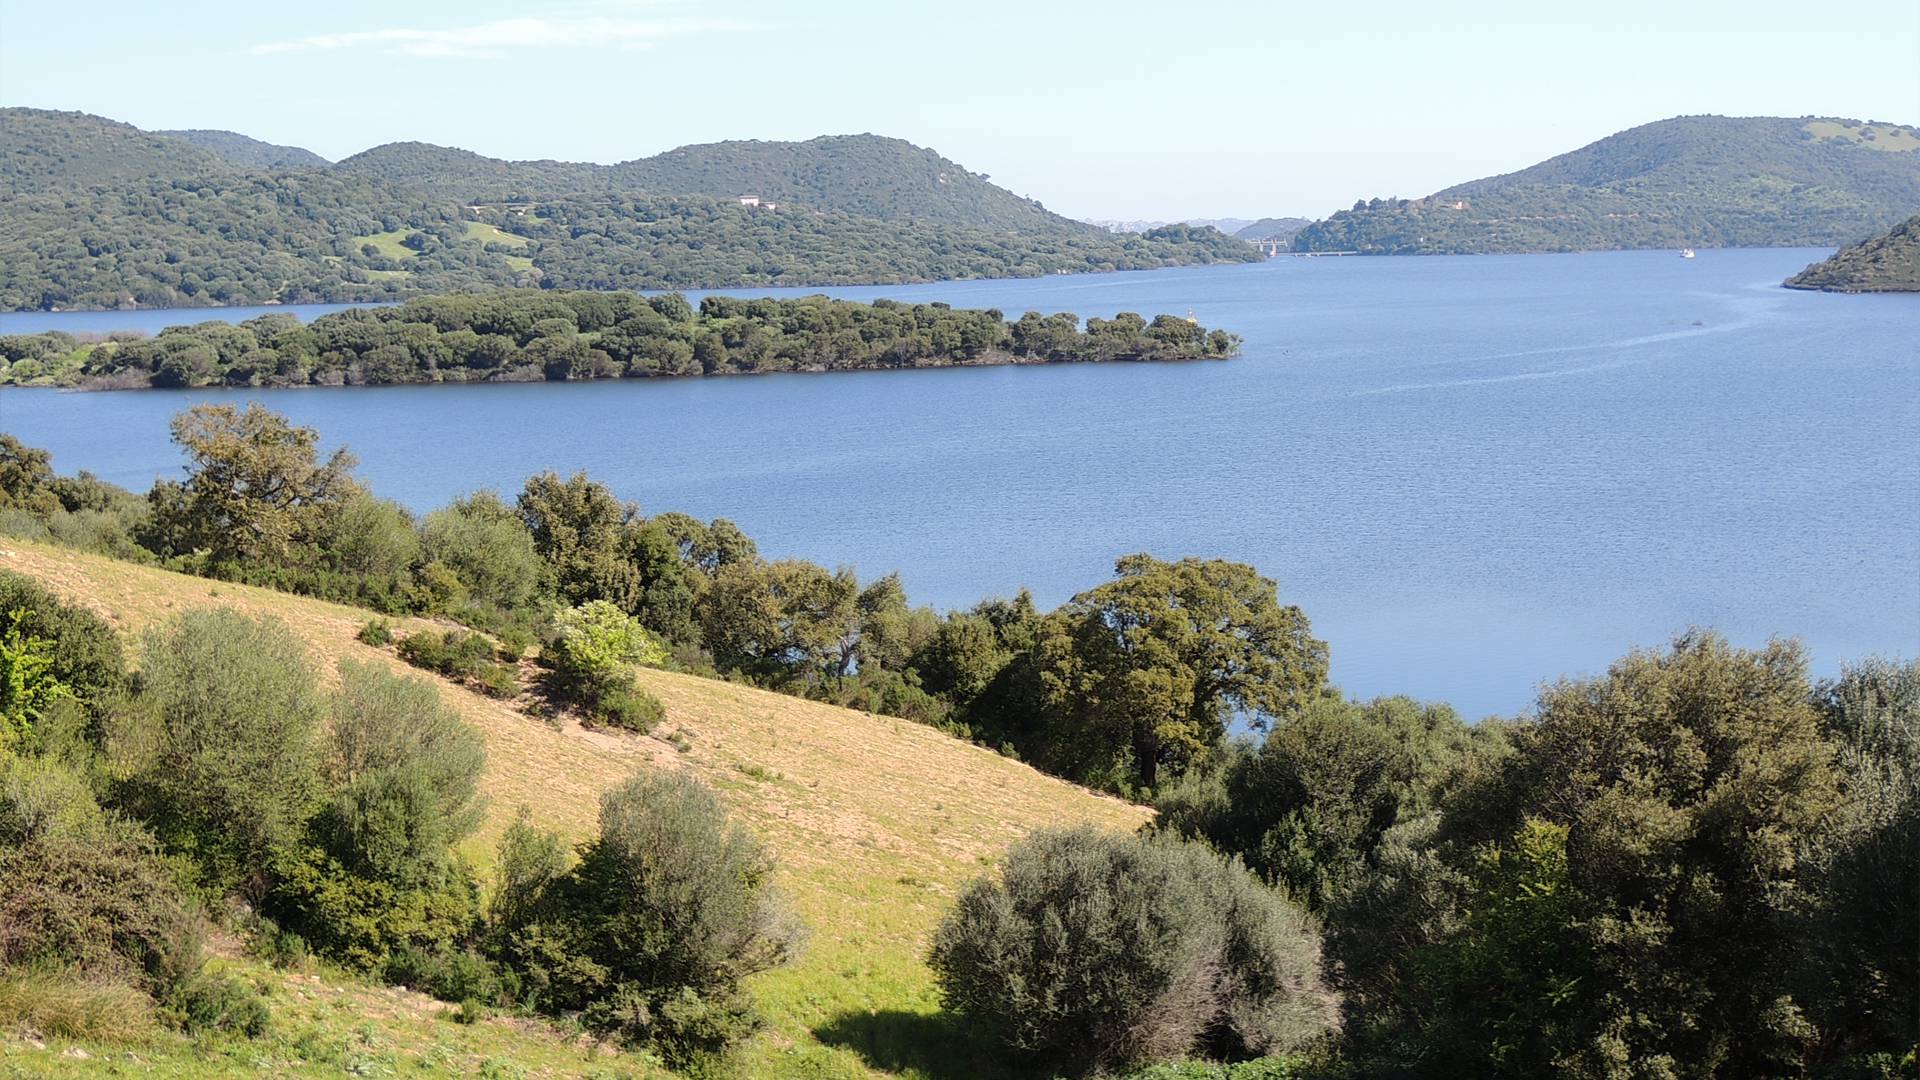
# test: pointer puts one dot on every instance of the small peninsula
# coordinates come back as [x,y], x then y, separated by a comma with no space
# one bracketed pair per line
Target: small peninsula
[1889,262]
[533,335]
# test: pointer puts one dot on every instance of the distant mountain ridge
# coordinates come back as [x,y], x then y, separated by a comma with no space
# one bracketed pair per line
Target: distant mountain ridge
[102,214]
[242,150]
[1699,181]
[1889,262]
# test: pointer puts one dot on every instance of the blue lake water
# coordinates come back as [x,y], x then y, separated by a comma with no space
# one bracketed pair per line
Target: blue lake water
[1474,474]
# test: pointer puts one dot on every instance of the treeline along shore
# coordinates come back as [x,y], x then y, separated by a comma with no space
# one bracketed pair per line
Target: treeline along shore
[534,335]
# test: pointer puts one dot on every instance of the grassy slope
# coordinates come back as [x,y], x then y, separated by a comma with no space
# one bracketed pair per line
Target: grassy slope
[876,822]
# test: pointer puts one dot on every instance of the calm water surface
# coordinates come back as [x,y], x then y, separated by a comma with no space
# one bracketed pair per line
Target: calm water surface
[1473,473]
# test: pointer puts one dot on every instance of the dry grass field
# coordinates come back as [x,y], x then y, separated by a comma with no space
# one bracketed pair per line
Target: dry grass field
[876,821]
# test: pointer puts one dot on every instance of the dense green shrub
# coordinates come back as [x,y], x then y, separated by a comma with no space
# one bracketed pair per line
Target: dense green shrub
[215,1003]
[79,652]
[104,907]
[1097,951]
[379,873]
[650,935]
[1620,888]
[227,771]
[375,632]
[596,646]
[487,547]
[461,655]
[1307,808]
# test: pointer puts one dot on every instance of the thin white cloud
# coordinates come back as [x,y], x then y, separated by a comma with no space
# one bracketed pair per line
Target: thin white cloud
[495,39]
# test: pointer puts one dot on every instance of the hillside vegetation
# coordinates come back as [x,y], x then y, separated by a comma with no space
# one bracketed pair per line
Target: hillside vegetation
[1359,889]
[1271,228]
[1698,181]
[1886,263]
[876,822]
[101,214]
[243,150]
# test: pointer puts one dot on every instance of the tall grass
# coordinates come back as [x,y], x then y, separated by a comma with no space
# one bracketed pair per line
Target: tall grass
[62,1004]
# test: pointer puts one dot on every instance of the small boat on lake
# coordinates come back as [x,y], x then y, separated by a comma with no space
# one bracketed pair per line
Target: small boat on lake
[1686,253]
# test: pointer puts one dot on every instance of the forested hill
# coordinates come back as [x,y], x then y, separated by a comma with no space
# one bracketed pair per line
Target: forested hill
[867,175]
[101,214]
[242,150]
[1692,181]
[1272,228]
[1889,262]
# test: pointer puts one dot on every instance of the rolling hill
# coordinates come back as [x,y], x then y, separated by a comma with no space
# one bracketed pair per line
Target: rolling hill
[1699,181]
[1886,263]
[876,823]
[242,150]
[102,214]
[1272,228]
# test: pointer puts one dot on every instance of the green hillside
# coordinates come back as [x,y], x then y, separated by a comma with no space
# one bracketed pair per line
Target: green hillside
[1272,228]
[253,153]
[100,214]
[1886,263]
[1698,181]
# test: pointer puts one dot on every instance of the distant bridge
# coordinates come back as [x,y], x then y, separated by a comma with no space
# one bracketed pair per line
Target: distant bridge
[1271,248]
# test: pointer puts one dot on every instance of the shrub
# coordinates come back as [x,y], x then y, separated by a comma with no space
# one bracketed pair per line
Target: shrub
[106,909]
[670,907]
[214,1003]
[630,707]
[450,974]
[595,648]
[461,655]
[376,632]
[1100,951]
[50,650]
[408,774]
[233,710]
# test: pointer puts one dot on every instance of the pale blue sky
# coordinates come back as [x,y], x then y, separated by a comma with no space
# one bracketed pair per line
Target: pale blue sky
[1116,109]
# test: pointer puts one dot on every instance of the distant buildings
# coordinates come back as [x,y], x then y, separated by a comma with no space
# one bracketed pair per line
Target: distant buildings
[757,202]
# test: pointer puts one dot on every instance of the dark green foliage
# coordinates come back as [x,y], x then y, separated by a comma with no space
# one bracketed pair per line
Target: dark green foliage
[101,214]
[529,335]
[378,873]
[1889,262]
[1700,181]
[529,860]
[1309,806]
[228,772]
[1097,951]
[630,708]
[1856,921]
[449,974]
[650,935]
[375,632]
[462,655]
[1287,1067]
[1619,888]
[213,1003]
[1143,673]
[360,920]
[242,150]
[100,905]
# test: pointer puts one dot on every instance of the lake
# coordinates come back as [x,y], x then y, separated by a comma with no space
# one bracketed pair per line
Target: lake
[1474,473]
